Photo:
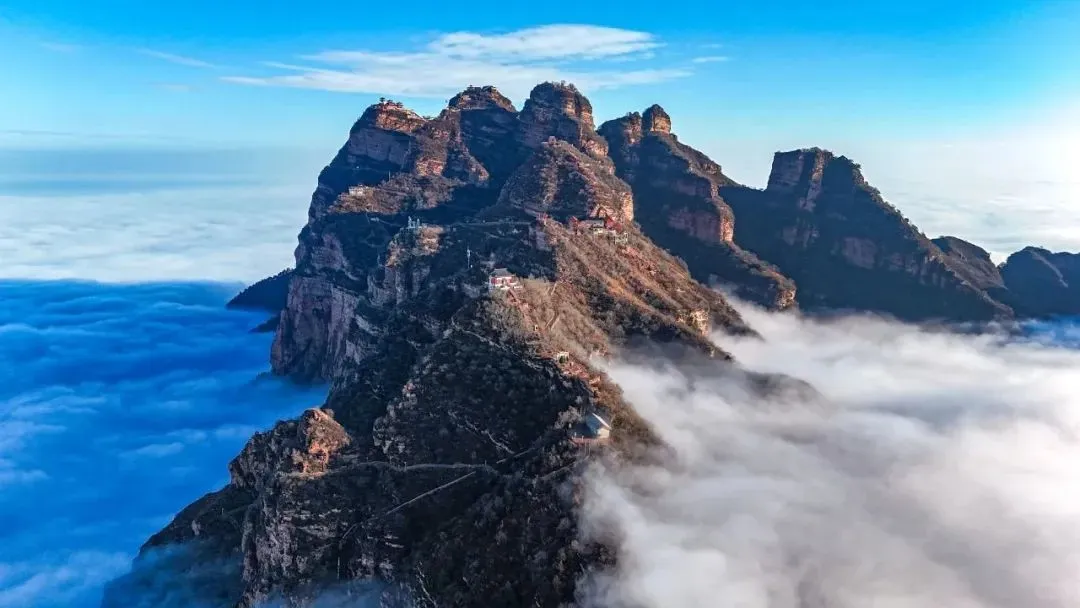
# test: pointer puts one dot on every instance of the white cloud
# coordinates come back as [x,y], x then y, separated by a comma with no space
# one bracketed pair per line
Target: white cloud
[547,42]
[151,235]
[1004,188]
[514,61]
[61,584]
[939,470]
[178,59]
[710,59]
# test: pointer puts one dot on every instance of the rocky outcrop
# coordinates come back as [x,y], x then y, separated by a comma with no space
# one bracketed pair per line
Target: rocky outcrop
[971,262]
[303,447]
[1033,281]
[1041,283]
[820,223]
[561,181]
[444,466]
[677,204]
[378,144]
[450,453]
[395,166]
[481,98]
[398,167]
[269,294]
[656,120]
[560,111]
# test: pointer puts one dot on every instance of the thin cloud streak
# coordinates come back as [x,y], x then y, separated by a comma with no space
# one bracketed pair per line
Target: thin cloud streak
[179,59]
[513,61]
[547,42]
[711,59]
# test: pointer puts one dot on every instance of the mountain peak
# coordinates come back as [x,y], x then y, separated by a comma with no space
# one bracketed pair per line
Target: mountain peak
[622,132]
[562,95]
[390,115]
[800,170]
[561,181]
[819,212]
[656,120]
[559,110]
[480,98]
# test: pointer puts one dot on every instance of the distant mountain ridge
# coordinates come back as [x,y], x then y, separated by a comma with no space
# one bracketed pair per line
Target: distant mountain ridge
[459,281]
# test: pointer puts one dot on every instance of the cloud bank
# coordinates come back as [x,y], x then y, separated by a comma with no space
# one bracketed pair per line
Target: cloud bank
[119,405]
[515,61]
[1003,204]
[150,215]
[939,470]
[177,234]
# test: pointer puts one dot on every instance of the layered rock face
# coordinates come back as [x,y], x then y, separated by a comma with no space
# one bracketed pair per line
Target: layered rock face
[378,144]
[820,223]
[442,465]
[678,205]
[561,181]
[396,166]
[559,111]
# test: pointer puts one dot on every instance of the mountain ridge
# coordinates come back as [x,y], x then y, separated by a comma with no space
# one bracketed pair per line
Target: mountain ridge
[460,282]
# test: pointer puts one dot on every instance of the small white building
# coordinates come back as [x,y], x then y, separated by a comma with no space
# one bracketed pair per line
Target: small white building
[593,429]
[502,279]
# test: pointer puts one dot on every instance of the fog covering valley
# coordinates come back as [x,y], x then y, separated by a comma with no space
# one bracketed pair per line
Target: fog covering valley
[125,385]
[118,403]
[936,469]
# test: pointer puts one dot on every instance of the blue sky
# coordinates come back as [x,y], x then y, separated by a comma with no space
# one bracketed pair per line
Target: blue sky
[242,73]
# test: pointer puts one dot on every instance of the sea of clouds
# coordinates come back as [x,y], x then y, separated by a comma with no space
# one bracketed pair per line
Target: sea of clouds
[152,215]
[125,386]
[119,404]
[933,470]
[938,474]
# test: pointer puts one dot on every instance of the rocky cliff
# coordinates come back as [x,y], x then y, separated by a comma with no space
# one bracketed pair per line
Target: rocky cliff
[269,295]
[445,460]
[1041,283]
[459,283]
[678,205]
[822,224]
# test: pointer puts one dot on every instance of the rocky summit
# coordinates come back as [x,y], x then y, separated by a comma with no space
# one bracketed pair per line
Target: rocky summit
[459,283]
[678,205]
